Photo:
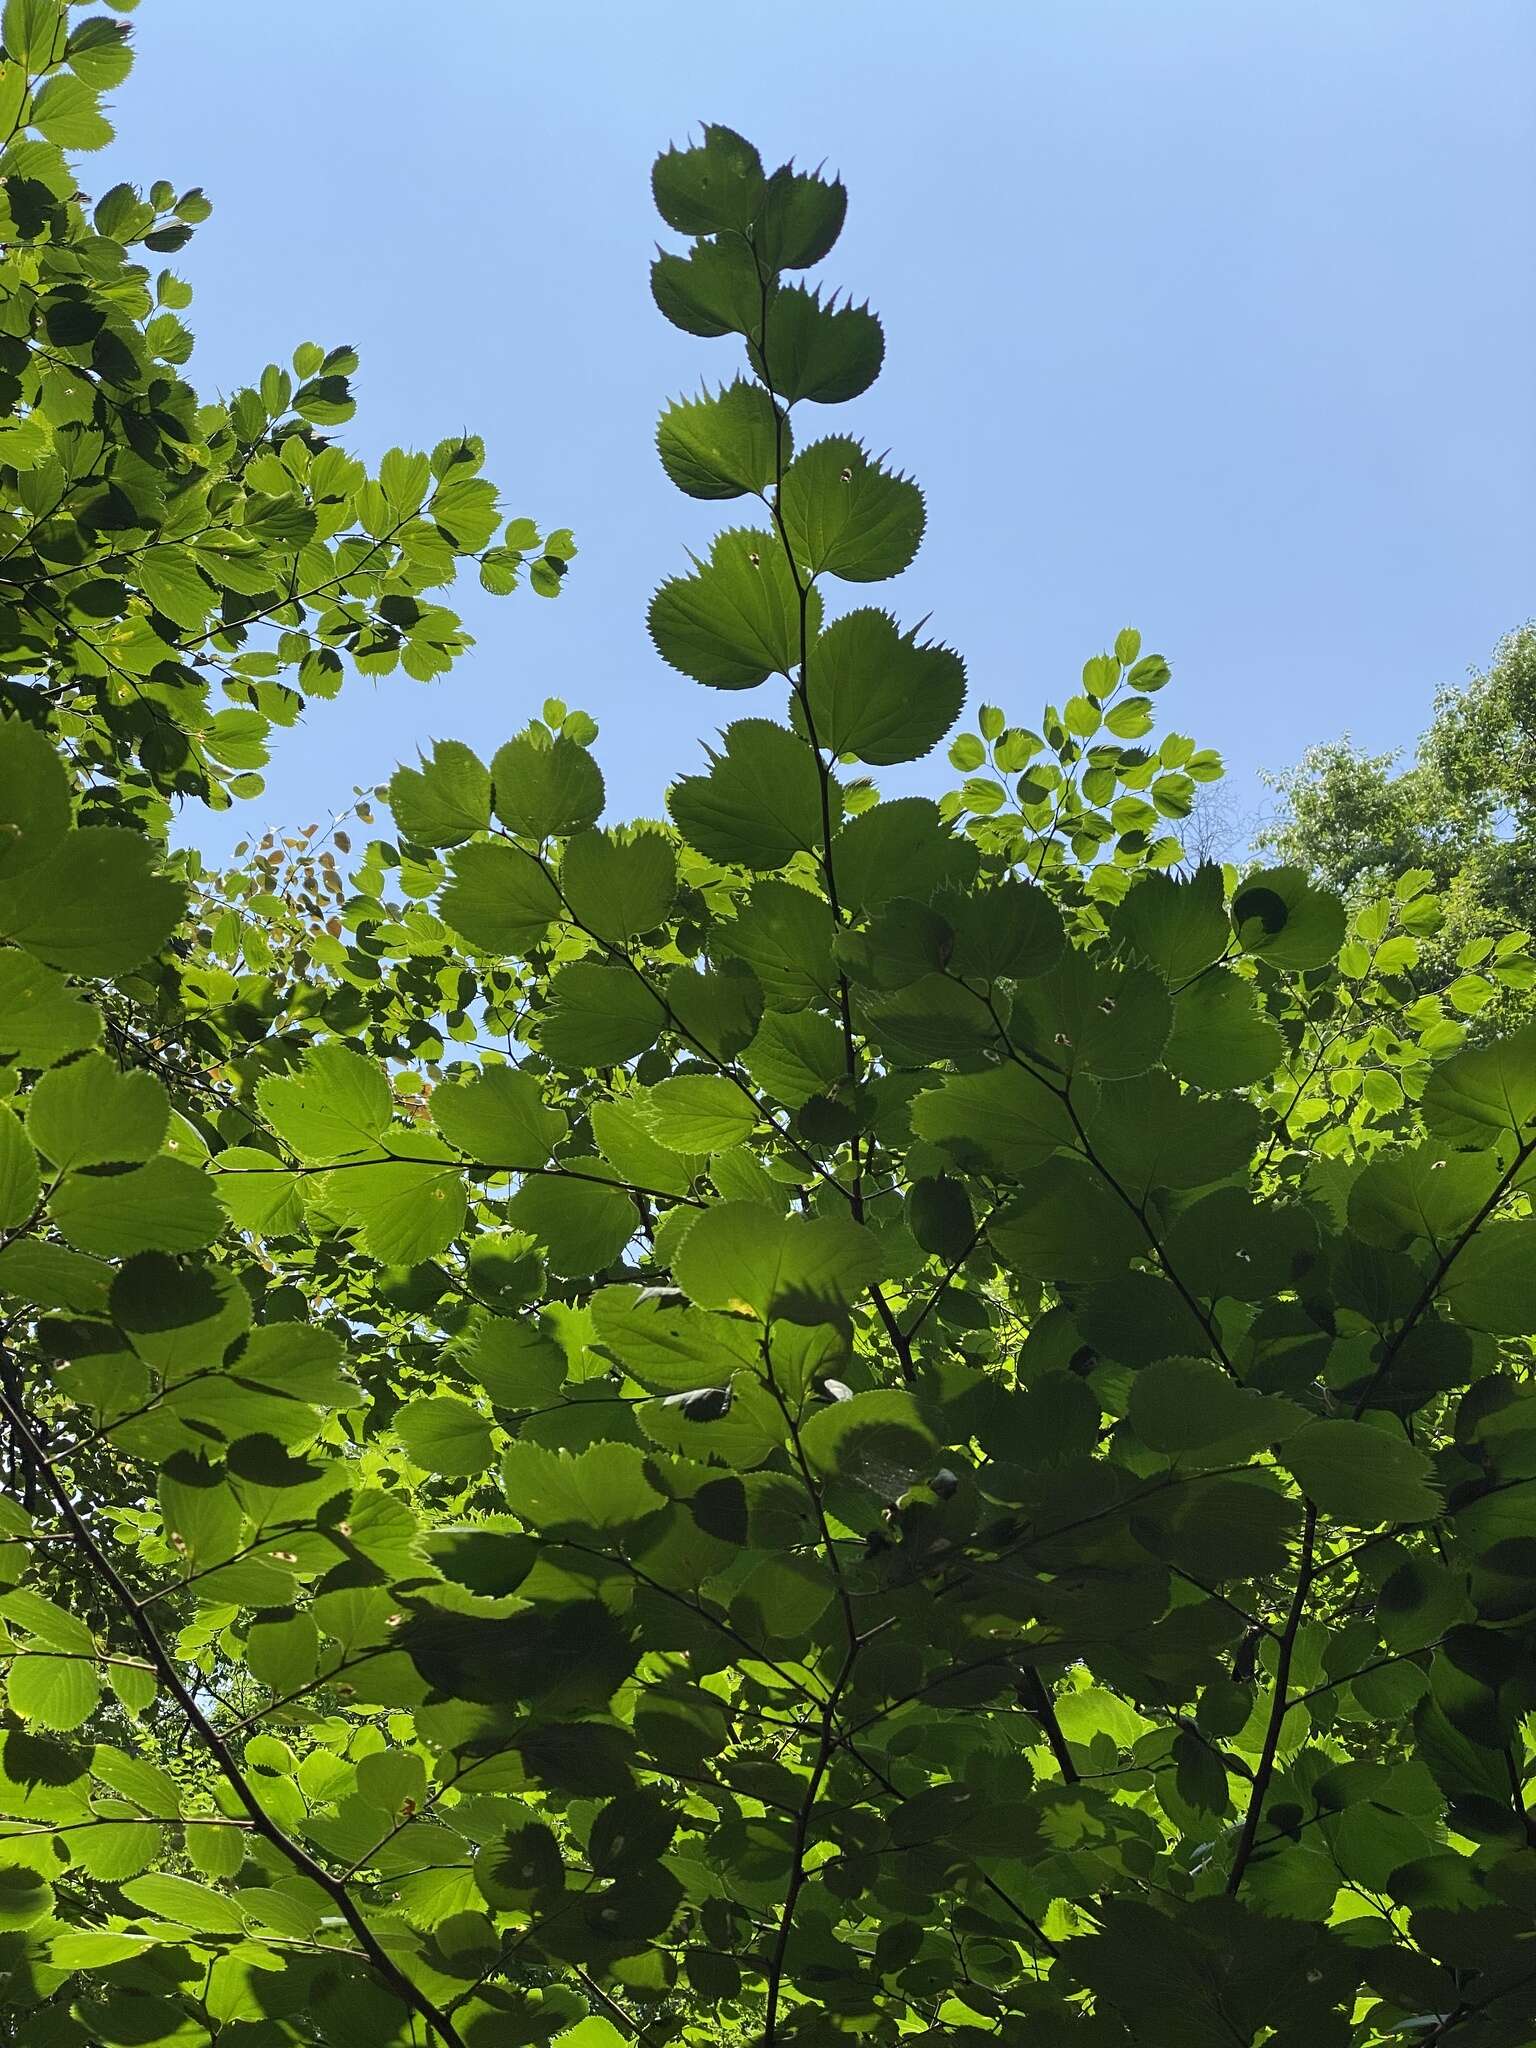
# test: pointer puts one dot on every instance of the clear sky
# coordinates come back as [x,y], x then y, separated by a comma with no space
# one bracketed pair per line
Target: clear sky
[1208,316]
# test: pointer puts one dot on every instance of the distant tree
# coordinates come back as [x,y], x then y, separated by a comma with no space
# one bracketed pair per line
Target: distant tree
[1464,809]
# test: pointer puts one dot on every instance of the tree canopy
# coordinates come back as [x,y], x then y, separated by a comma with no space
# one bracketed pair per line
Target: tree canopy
[838,1417]
[1463,809]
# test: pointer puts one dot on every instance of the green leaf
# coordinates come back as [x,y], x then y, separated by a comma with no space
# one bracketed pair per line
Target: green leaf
[799,218]
[1064,1223]
[619,884]
[25,1897]
[666,1345]
[582,1226]
[711,188]
[717,1010]
[1087,1017]
[760,803]
[404,1209]
[1230,1244]
[749,1259]
[940,1217]
[879,1440]
[34,798]
[899,848]
[260,1193]
[170,579]
[1004,1118]
[89,1113]
[67,112]
[177,1317]
[1426,1191]
[715,289]
[879,694]
[1189,1404]
[53,1692]
[40,1021]
[48,1276]
[606,1487]
[627,1139]
[166,1206]
[1012,931]
[1492,1284]
[796,1054]
[20,1185]
[1178,927]
[1220,1037]
[846,515]
[1361,1475]
[446,800]
[817,349]
[337,1106]
[737,619]
[187,1903]
[725,444]
[1485,1090]
[598,1016]
[499,1118]
[1285,920]
[95,906]
[784,935]
[546,788]
[499,899]
[34,33]
[700,1113]
[445,1435]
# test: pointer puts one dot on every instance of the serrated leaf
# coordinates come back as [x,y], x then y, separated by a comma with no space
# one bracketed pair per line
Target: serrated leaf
[667,1345]
[446,800]
[879,694]
[546,789]
[1180,1405]
[445,1435]
[700,1113]
[817,349]
[737,619]
[710,188]
[619,884]
[582,1226]
[796,1054]
[752,1260]
[34,798]
[799,218]
[1176,926]
[20,1185]
[1286,920]
[598,1016]
[499,1118]
[724,444]
[606,1487]
[760,803]
[90,1113]
[1220,1036]
[1361,1475]
[96,905]
[165,1206]
[404,1209]
[337,1106]
[715,289]
[41,1022]
[499,899]
[846,515]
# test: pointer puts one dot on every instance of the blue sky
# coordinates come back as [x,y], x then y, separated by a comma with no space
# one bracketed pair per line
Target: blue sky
[1210,318]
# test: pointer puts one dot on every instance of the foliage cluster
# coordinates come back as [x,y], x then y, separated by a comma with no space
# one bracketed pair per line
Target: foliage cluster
[835,1418]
